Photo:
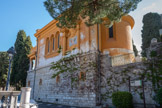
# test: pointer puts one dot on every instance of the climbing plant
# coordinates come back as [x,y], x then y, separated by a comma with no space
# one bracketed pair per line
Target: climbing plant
[150,72]
[71,65]
[115,79]
[156,69]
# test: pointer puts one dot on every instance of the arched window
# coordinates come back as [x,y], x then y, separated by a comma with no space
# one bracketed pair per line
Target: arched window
[47,45]
[33,64]
[57,79]
[53,43]
[28,83]
[40,82]
[52,40]
[58,39]
[111,35]
[82,76]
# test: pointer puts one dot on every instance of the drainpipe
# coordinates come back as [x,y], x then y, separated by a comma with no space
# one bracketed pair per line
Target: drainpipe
[35,67]
[99,67]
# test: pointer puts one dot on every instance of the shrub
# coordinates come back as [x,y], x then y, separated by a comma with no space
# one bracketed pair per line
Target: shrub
[159,96]
[144,59]
[122,99]
[153,54]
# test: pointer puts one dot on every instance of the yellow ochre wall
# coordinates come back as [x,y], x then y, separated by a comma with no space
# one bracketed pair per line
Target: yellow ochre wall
[120,44]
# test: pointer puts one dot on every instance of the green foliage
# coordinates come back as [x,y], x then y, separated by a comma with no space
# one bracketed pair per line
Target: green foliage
[60,49]
[141,95]
[64,65]
[151,26]
[144,59]
[122,99]
[21,61]
[4,64]
[70,66]
[135,49]
[155,66]
[153,54]
[69,12]
[152,73]
[158,97]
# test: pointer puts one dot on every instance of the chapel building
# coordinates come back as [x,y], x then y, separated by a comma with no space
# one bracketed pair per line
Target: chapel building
[54,43]
[115,41]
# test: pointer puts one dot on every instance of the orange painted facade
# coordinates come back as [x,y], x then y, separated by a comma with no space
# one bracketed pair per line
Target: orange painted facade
[50,38]
[121,43]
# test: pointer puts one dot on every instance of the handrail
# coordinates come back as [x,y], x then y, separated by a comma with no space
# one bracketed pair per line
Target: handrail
[9,98]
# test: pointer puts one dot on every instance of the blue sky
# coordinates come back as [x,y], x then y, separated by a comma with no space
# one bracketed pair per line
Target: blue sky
[15,15]
[30,15]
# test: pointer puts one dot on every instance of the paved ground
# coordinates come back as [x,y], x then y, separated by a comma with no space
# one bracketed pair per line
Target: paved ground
[49,105]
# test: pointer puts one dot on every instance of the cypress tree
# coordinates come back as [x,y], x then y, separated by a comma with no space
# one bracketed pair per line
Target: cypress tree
[21,60]
[4,64]
[27,48]
[135,49]
[151,26]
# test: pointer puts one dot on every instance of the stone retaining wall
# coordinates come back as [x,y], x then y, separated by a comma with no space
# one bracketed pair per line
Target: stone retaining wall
[117,79]
[85,93]
[80,93]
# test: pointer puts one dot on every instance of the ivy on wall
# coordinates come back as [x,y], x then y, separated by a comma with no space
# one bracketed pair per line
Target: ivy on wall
[149,71]
[117,78]
[156,69]
[71,66]
[120,76]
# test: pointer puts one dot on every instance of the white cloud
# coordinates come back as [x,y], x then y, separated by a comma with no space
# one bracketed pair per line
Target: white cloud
[151,7]
[154,7]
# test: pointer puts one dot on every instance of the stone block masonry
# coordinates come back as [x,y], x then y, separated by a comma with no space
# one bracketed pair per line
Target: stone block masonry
[117,79]
[80,93]
[84,93]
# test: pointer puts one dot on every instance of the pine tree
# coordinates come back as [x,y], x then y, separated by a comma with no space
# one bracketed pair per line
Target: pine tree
[20,60]
[4,64]
[69,12]
[151,26]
